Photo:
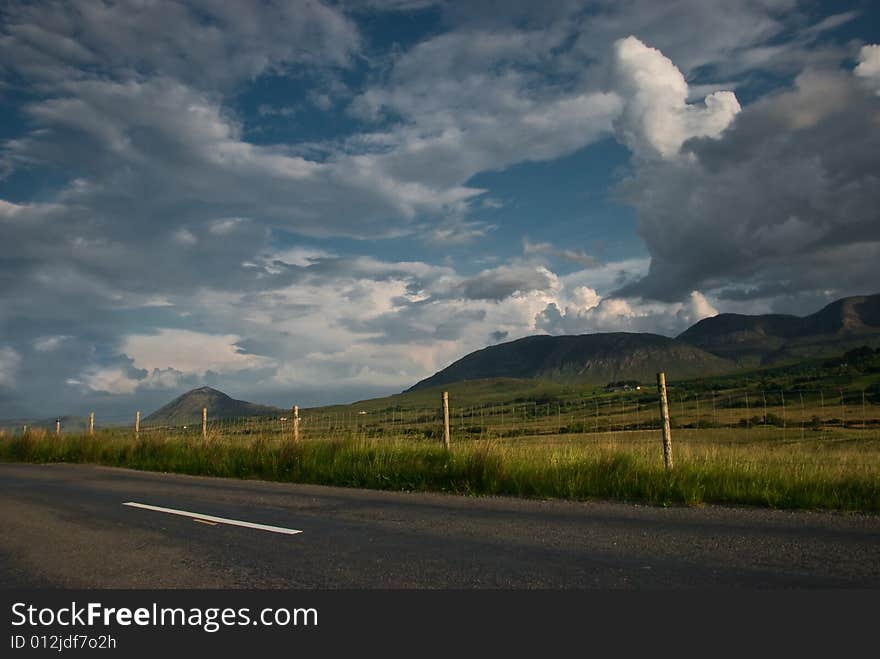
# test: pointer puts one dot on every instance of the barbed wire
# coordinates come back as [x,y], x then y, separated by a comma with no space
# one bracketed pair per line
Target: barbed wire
[790,413]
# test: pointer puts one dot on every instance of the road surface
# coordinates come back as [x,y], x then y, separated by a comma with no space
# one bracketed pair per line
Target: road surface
[68,526]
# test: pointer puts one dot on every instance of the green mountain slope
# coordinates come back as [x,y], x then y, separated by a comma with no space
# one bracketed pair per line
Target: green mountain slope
[586,359]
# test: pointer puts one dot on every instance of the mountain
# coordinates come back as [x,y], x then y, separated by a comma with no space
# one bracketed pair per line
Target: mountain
[713,346]
[586,358]
[758,340]
[188,408]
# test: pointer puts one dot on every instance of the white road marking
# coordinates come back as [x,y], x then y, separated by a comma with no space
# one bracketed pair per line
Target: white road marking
[211,518]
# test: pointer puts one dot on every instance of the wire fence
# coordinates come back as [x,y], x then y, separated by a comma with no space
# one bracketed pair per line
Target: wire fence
[768,414]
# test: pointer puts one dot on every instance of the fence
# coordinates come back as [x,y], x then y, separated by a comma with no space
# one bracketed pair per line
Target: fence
[784,414]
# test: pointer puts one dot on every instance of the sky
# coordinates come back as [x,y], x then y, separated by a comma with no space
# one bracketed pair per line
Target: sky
[308,203]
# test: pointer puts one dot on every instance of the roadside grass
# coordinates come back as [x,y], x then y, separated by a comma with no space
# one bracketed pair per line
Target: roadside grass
[838,474]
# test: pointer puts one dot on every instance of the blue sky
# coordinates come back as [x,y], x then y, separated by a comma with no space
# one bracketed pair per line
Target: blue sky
[306,202]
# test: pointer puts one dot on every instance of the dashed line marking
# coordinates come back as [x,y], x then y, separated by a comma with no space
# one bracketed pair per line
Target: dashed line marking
[208,519]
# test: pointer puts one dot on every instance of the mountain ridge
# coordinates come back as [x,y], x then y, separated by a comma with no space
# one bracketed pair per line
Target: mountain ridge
[585,358]
[773,338]
[712,346]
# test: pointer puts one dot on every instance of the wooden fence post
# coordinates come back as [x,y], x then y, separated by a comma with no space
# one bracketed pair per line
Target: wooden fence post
[204,423]
[57,427]
[296,423]
[91,423]
[446,438]
[664,413]
[137,422]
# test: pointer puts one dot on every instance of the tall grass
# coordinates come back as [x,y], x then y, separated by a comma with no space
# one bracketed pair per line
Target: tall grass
[837,475]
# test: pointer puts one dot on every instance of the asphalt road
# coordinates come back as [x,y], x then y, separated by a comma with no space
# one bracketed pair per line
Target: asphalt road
[66,526]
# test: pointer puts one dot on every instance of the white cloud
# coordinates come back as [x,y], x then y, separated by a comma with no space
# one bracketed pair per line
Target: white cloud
[869,65]
[656,116]
[190,352]
[589,312]
[108,380]
[184,237]
[50,343]
[118,380]
[607,277]
[226,226]
[695,308]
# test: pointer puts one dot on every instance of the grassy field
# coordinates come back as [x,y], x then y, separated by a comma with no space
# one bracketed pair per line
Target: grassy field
[803,436]
[837,469]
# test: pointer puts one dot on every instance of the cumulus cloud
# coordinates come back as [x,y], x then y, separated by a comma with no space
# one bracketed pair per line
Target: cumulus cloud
[188,351]
[869,65]
[656,117]
[587,312]
[112,380]
[123,379]
[773,207]
[170,359]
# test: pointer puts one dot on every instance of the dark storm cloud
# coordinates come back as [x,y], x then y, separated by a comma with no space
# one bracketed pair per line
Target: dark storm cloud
[785,201]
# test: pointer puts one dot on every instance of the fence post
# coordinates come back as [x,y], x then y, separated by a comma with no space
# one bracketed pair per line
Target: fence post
[782,395]
[664,414]
[204,423]
[864,421]
[91,423]
[24,430]
[446,419]
[57,427]
[296,423]
[137,422]
[801,394]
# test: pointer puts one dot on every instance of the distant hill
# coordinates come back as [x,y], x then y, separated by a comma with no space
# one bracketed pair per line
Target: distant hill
[586,358]
[188,408]
[768,339]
